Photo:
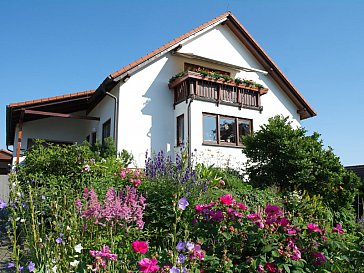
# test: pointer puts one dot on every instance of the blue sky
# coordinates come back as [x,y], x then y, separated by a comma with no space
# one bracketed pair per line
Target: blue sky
[50,48]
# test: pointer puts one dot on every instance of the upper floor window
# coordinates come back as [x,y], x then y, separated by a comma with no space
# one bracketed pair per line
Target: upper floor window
[106,130]
[180,129]
[225,130]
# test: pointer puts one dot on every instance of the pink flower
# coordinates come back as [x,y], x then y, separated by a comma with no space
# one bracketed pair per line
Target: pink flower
[222,182]
[313,228]
[271,267]
[253,216]
[227,199]
[319,258]
[338,229]
[284,222]
[148,265]
[136,182]
[260,268]
[140,246]
[271,210]
[242,206]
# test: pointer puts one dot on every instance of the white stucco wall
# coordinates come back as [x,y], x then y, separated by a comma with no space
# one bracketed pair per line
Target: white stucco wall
[146,114]
[105,111]
[147,120]
[52,128]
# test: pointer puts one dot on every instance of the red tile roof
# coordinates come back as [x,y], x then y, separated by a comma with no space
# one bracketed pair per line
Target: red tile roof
[52,99]
[5,155]
[169,44]
[265,60]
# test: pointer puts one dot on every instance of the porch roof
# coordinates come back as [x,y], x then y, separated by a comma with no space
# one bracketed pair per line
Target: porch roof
[59,104]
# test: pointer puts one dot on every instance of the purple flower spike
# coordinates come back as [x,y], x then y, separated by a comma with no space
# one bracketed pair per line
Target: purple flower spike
[182,203]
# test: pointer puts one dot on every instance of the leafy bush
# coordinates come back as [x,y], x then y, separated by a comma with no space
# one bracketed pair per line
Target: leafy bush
[281,155]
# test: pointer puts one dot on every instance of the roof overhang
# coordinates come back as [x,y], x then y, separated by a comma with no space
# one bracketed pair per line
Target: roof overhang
[37,109]
[228,19]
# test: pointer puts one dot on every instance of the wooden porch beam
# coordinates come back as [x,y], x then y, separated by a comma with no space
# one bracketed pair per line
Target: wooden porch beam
[59,115]
[20,136]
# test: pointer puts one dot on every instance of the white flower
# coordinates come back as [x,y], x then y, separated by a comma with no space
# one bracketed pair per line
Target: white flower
[22,220]
[74,263]
[78,248]
[68,228]
[54,269]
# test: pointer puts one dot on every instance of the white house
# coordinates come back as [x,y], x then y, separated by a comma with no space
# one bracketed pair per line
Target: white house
[144,108]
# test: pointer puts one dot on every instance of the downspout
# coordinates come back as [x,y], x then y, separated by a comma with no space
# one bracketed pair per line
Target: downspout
[116,114]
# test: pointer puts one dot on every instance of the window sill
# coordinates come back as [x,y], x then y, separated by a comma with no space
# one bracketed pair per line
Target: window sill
[224,145]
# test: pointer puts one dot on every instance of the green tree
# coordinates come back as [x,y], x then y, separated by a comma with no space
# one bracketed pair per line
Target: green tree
[281,155]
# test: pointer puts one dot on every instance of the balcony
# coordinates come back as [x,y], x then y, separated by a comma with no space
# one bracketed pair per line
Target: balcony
[197,86]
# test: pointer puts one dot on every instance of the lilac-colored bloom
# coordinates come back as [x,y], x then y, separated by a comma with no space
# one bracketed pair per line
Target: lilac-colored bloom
[43,197]
[181,258]
[174,270]
[190,246]
[59,240]
[21,268]
[11,265]
[3,204]
[31,267]
[180,246]
[183,203]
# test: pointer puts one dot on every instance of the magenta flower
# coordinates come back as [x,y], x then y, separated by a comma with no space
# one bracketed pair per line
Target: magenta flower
[183,203]
[148,265]
[284,222]
[319,258]
[140,246]
[313,228]
[242,206]
[260,268]
[271,267]
[338,228]
[227,199]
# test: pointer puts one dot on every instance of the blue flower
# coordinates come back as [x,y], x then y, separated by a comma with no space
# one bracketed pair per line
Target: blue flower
[174,270]
[59,240]
[183,203]
[180,246]
[3,204]
[11,265]
[181,258]
[31,267]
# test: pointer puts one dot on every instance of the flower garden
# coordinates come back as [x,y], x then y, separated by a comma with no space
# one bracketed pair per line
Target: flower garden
[78,209]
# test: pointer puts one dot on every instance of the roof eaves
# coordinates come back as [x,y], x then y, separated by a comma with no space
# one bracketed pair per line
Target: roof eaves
[289,84]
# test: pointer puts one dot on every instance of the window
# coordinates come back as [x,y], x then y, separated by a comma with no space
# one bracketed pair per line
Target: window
[209,128]
[180,129]
[106,129]
[224,130]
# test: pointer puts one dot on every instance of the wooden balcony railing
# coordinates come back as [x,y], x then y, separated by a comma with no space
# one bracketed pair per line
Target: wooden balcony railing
[195,85]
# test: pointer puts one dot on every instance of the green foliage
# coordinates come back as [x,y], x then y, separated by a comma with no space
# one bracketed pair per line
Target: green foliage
[286,157]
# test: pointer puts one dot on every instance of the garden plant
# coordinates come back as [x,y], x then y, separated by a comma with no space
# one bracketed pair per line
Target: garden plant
[82,209]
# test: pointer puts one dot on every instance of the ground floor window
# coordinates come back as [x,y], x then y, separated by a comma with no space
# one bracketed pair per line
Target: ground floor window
[225,130]
[180,129]
[106,130]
